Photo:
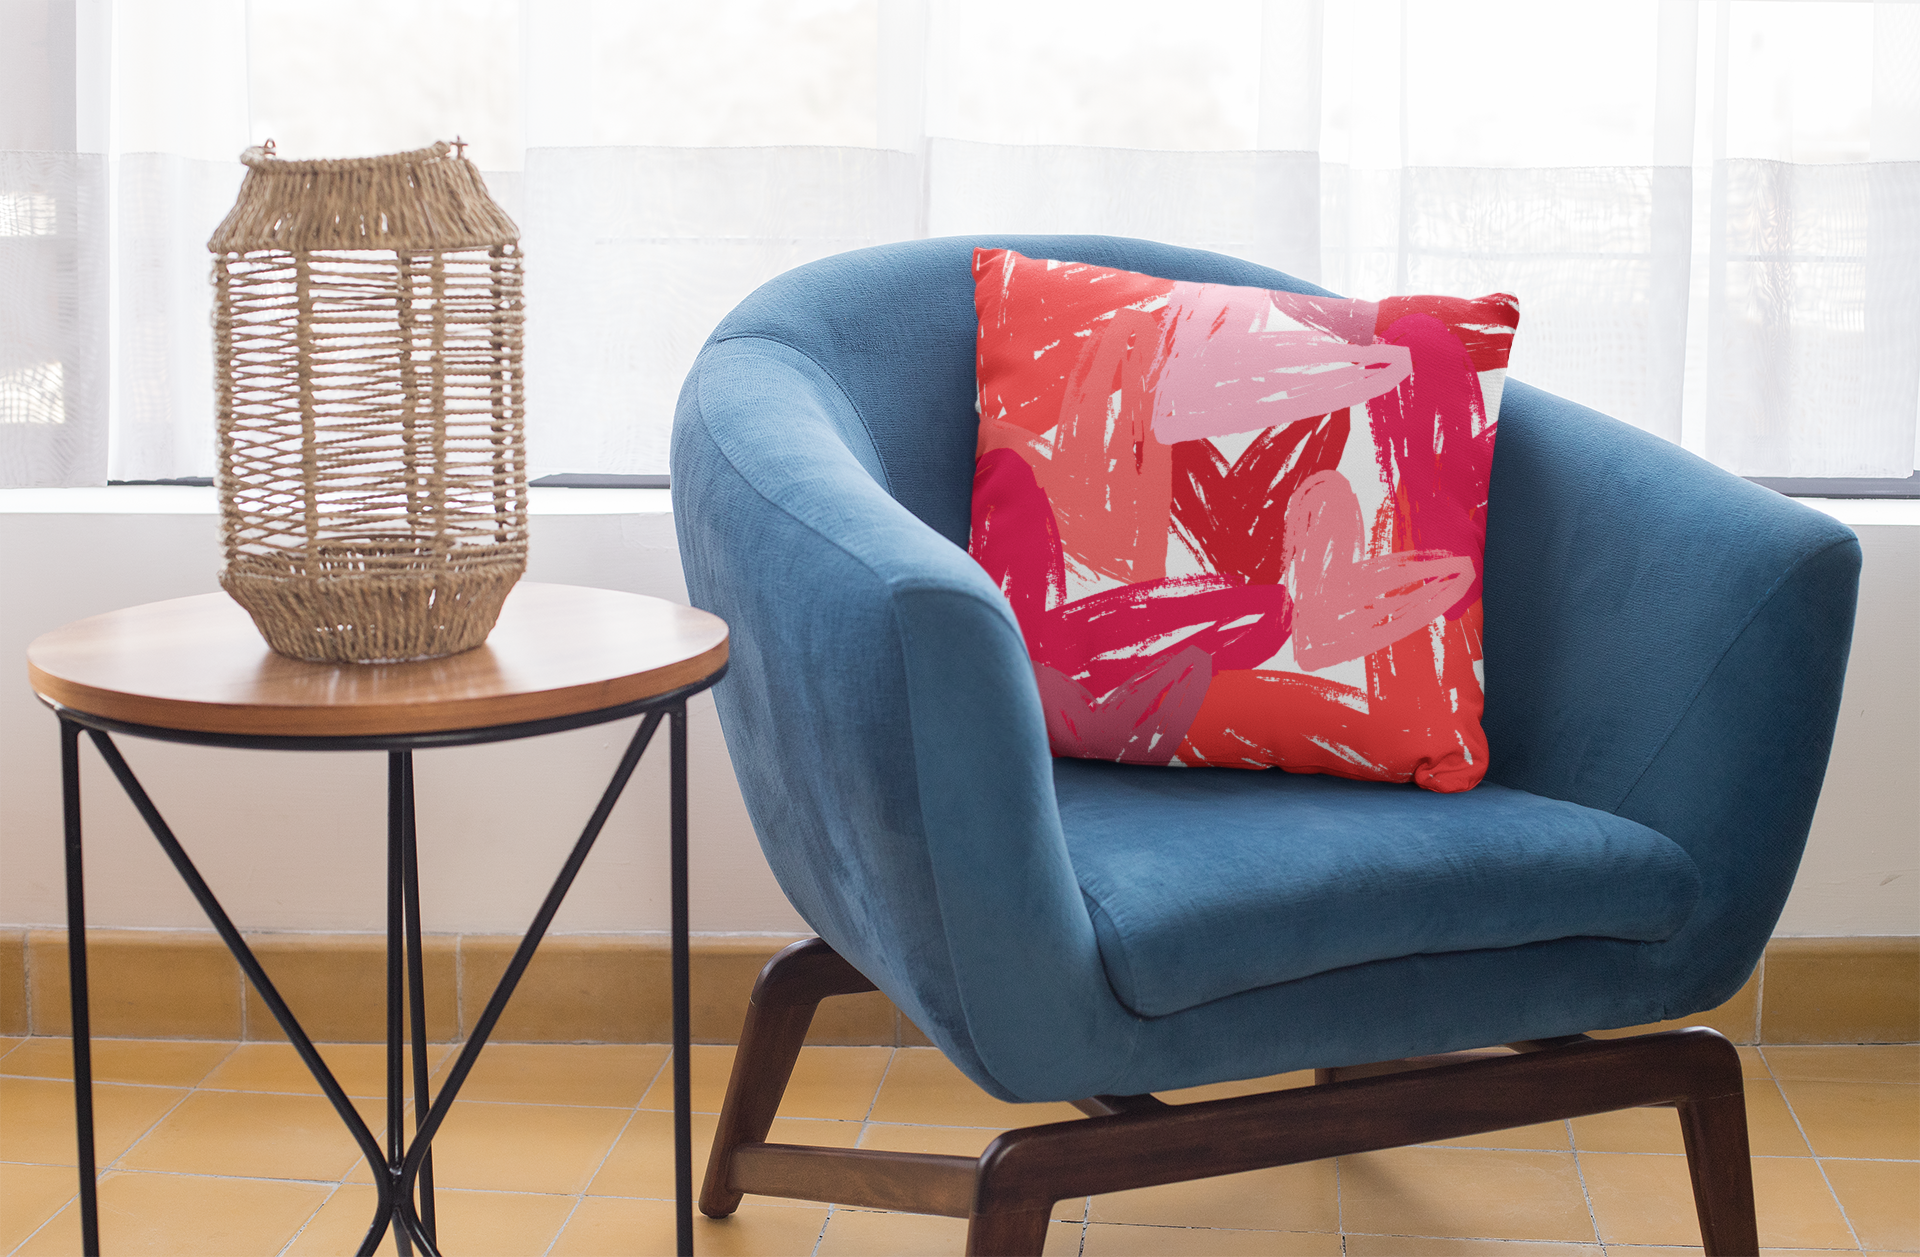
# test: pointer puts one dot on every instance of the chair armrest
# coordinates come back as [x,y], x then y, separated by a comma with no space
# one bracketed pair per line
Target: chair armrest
[1665,641]
[883,722]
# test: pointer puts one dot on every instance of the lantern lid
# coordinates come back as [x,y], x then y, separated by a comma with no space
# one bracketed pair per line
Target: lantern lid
[422,200]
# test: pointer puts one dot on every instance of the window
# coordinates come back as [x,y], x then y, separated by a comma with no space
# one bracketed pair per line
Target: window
[1709,215]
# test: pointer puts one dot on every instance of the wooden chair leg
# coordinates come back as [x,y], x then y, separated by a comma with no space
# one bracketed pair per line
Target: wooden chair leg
[784,997]
[1007,1233]
[1132,1142]
[1721,1166]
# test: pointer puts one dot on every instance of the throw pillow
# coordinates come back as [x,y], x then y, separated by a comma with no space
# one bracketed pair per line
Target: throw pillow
[1241,527]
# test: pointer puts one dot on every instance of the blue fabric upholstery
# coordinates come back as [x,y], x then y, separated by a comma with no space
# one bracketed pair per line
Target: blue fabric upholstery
[1205,884]
[1664,643]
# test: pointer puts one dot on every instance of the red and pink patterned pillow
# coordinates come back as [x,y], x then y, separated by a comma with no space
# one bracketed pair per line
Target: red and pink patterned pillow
[1238,526]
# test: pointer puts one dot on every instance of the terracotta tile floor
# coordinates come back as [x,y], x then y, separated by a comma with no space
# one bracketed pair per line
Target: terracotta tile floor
[219,1149]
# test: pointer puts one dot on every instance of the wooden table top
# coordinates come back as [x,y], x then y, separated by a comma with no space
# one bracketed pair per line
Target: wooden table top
[198,664]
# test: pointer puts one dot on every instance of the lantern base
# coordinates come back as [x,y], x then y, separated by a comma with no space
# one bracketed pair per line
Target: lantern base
[371,617]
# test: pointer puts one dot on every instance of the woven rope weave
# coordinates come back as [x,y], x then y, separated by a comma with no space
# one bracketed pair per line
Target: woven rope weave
[370,403]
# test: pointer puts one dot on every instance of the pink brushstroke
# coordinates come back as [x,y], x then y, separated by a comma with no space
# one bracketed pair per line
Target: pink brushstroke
[1345,604]
[1350,321]
[1140,722]
[1109,482]
[1221,376]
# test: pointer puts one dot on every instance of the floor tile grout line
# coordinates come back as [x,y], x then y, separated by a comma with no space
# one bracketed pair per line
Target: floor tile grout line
[820,1237]
[873,1101]
[215,1067]
[474,1191]
[66,1080]
[229,1178]
[44,1225]
[1339,1206]
[302,1228]
[1477,1239]
[1814,1153]
[568,1220]
[859,1140]
[69,1201]
[1586,1193]
[460,986]
[100,1170]
[658,1070]
[1294,1230]
[600,1167]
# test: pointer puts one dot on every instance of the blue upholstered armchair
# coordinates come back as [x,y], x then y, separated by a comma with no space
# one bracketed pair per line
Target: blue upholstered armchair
[1664,648]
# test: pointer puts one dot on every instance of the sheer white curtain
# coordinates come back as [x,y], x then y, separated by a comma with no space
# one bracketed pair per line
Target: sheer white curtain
[54,228]
[1710,209]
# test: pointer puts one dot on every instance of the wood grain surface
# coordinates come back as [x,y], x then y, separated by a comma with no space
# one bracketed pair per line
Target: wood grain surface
[198,664]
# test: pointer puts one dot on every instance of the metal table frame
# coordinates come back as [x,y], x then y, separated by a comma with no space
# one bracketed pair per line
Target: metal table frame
[408,1166]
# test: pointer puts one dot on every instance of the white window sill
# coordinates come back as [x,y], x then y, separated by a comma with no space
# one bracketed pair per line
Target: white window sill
[140,499]
[1854,512]
[145,499]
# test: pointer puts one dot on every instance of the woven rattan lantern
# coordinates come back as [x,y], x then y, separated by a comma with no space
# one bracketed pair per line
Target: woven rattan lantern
[370,397]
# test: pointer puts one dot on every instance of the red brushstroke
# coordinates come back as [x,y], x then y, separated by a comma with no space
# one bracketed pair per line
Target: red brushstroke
[1484,326]
[1254,719]
[1102,640]
[1014,537]
[1431,703]
[1233,518]
[1435,447]
[1037,343]
[1418,719]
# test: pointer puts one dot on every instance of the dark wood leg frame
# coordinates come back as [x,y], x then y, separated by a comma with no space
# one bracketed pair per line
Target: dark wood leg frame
[784,997]
[1715,1131]
[1138,1141]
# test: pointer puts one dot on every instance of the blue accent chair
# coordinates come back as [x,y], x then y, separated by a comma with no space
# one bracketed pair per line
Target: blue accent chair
[1664,650]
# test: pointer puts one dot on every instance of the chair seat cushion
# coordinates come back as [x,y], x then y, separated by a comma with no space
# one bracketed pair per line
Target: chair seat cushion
[1203,885]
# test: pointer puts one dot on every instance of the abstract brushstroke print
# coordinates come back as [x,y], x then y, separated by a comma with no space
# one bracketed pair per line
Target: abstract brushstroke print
[1240,527]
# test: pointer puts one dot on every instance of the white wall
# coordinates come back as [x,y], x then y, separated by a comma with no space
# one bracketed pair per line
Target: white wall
[1861,873]
[296,841]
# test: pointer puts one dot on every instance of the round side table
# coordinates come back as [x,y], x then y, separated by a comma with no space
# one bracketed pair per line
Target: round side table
[195,670]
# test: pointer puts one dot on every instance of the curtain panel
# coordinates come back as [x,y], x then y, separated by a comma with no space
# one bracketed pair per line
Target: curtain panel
[1709,209]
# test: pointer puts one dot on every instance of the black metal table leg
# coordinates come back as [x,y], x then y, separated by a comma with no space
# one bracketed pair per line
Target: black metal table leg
[682,1031]
[396,971]
[263,985]
[396,956]
[82,1025]
[405,1165]
[416,984]
[516,967]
